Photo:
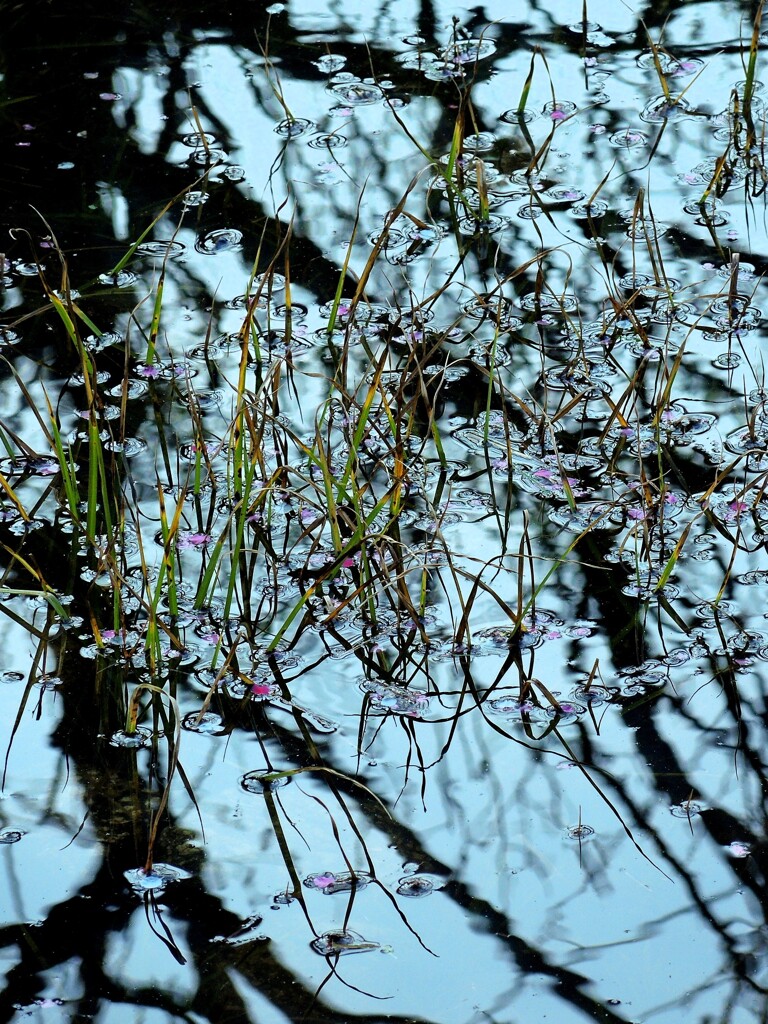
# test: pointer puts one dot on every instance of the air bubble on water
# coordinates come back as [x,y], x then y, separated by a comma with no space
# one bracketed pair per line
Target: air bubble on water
[341,942]
[397,700]
[595,208]
[135,740]
[596,694]
[580,832]
[329,882]
[493,307]
[565,712]
[757,88]
[709,213]
[234,173]
[206,723]
[560,110]
[11,835]
[529,211]
[191,451]
[481,227]
[206,157]
[11,677]
[467,51]
[261,782]
[328,140]
[47,681]
[547,302]
[738,849]
[356,93]
[564,194]
[98,342]
[161,248]
[25,269]
[751,578]
[415,886]
[194,140]
[628,138]
[516,116]
[294,128]
[686,809]
[482,142]
[78,379]
[512,708]
[195,198]
[219,240]
[668,64]
[318,722]
[727,361]
[131,388]
[662,108]
[583,27]
[640,229]
[9,337]
[417,60]
[129,447]
[330,63]
[156,879]
[587,515]
[297,311]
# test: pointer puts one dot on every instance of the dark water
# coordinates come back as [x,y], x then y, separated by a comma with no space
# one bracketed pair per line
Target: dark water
[522,773]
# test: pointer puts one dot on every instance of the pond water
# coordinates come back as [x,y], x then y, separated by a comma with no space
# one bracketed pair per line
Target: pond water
[384,507]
